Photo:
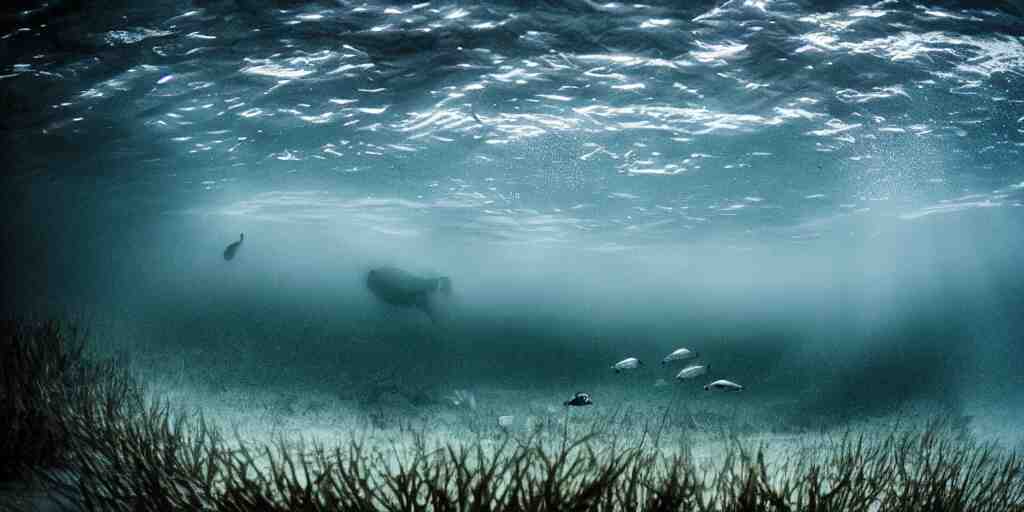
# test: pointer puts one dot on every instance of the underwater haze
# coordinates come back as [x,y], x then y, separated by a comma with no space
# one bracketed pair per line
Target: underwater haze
[822,199]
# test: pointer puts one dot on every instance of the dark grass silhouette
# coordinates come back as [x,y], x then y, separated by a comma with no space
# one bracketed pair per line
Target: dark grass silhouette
[45,379]
[122,451]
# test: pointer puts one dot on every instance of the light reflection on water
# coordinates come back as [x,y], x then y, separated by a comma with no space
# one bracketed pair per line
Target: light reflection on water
[686,108]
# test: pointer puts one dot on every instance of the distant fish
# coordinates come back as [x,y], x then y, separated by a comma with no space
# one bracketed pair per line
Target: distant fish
[506,421]
[579,400]
[692,371]
[724,385]
[230,250]
[400,288]
[679,354]
[462,398]
[660,383]
[629,363]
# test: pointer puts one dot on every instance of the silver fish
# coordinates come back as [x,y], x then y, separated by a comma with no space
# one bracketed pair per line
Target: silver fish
[692,371]
[723,385]
[679,354]
[629,363]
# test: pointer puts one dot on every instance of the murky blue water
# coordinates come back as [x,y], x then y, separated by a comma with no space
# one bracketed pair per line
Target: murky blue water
[824,198]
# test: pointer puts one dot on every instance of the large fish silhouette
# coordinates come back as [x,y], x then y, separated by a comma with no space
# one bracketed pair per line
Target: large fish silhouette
[400,288]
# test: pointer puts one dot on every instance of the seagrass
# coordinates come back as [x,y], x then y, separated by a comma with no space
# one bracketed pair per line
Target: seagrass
[121,449]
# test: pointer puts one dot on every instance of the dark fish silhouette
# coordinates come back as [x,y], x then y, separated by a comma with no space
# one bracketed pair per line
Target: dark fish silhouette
[400,288]
[230,250]
[579,400]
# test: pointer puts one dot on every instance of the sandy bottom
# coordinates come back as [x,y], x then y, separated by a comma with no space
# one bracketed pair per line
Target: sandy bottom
[670,418]
[684,418]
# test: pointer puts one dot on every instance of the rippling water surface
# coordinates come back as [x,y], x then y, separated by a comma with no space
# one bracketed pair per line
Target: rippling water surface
[816,190]
[542,123]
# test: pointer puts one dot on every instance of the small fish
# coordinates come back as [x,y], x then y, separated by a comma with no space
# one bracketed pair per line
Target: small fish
[692,371]
[230,250]
[629,363]
[660,383]
[506,421]
[679,354]
[579,400]
[462,398]
[724,385]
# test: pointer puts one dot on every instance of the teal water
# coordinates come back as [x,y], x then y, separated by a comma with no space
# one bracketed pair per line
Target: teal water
[824,199]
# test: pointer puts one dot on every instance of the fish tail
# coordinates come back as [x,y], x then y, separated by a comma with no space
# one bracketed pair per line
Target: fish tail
[426,307]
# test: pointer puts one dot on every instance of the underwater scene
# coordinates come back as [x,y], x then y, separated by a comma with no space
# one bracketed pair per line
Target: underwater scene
[512,255]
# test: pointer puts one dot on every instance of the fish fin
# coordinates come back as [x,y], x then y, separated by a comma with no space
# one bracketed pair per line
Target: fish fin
[424,305]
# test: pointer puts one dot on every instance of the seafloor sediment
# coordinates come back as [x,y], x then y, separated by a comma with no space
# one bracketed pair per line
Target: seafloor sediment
[144,440]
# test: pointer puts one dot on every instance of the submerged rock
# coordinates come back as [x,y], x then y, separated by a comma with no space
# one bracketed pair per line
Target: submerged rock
[579,400]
